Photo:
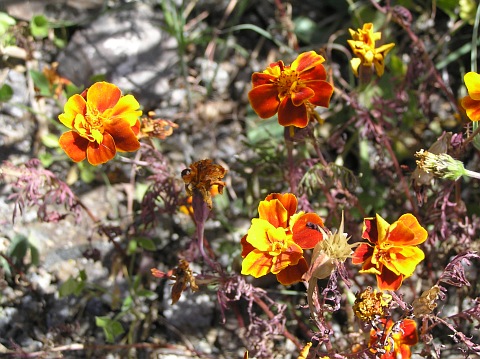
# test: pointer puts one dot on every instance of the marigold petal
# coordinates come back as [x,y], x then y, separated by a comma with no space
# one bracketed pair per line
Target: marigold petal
[405,259]
[472,81]
[75,105]
[307,237]
[74,145]
[261,78]
[302,95]
[103,95]
[126,109]
[355,63]
[323,93]
[264,100]
[246,247]
[257,264]
[409,329]
[293,274]
[274,212]
[258,234]
[407,231]
[306,61]
[98,153]
[288,200]
[316,73]
[289,257]
[472,108]
[123,135]
[291,115]
[362,253]
[388,280]
[379,66]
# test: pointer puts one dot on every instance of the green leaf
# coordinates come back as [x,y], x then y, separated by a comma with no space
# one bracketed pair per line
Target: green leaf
[147,243]
[112,328]
[146,293]
[67,288]
[41,83]
[6,93]
[127,303]
[6,21]
[132,246]
[18,248]
[39,27]
[50,140]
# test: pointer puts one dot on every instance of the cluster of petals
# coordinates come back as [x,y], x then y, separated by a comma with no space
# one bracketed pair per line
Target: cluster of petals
[391,252]
[363,47]
[102,122]
[276,240]
[291,91]
[398,338]
[471,102]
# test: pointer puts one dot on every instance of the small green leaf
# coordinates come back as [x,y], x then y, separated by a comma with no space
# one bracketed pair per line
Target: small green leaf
[5,22]
[132,246]
[41,83]
[147,243]
[112,328]
[67,288]
[50,140]
[18,248]
[39,27]
[127,303]
[146,293]
[6,93]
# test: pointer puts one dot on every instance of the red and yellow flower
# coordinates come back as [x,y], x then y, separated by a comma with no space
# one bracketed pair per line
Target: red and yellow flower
[391,252]
[397,339]
[363,47]
[276,240]
[291,91]
[471,102]
[102,122]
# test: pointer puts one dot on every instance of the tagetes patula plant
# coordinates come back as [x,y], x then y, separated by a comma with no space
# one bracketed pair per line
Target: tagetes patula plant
[291,91]
[276,240]
[363,47]
[471,102]
[397,339]
[102,122]
[391,252]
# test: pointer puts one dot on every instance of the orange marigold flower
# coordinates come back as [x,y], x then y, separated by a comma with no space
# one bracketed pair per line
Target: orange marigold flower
[102,121]
[291,91]
[276,240]
[391,253]
[397,339]
[471,102]
[363,47]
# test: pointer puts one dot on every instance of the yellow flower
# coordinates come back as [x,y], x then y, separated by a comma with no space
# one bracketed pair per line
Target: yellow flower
[391,252]
[363,47]
[471,102]
[102,121]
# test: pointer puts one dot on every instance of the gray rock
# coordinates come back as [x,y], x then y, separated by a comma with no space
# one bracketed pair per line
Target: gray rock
[129,47]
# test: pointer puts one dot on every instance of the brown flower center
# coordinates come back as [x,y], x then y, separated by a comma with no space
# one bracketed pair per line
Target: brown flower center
[287,82]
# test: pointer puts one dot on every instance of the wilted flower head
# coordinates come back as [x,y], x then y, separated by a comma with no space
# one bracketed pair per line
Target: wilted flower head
[396,339]
[276,240]
[201,176]
[391,252]
[291,91]
[156,127]
[102,121]
[442,165]
[426,303]
[370,304]
[363,47]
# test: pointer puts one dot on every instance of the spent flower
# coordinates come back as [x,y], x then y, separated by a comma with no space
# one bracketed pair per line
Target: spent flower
[102,122]
[363,47]
[391,252]
[291,91]
[442,165]
[371,304]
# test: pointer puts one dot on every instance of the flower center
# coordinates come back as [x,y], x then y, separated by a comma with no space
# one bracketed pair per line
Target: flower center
[278,246]
[90,126]
[287,82]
